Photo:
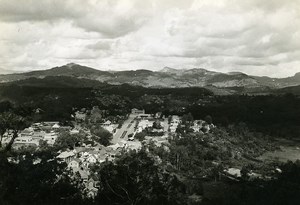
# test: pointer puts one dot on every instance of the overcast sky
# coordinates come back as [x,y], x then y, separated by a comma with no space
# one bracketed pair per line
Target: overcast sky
[258,37]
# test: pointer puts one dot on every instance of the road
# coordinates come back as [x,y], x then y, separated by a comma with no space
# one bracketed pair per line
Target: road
[126,129]
[166,124]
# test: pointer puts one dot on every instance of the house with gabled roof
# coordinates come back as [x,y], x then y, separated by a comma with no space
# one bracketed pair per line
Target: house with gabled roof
[66,156]
[92,158]
[74,163]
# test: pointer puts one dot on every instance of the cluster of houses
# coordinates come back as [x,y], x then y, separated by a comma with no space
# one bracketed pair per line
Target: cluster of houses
[196,125]
[145,122]
[81,159]
[37,132]
[80,116]
[47,132]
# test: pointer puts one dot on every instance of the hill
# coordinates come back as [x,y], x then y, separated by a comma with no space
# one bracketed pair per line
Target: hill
[165,78]
[57,82]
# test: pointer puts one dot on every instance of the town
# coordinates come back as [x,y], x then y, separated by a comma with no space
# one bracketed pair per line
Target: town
[108,146]
[139,128]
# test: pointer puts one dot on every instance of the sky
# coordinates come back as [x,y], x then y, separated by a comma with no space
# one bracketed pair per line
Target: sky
[251,36]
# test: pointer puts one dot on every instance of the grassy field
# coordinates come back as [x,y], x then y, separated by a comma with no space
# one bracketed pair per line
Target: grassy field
[289,150]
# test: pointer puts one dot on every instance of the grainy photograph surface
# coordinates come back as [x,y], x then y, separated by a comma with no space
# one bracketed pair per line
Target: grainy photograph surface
[149,102]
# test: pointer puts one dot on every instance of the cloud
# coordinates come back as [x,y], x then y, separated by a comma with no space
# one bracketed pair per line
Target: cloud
[256,37]
[32,10]
[218,32]
[115,18]
[109,18]
[110,27]
[101,45]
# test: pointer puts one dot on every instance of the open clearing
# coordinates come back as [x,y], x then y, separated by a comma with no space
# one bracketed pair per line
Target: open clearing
[289,150]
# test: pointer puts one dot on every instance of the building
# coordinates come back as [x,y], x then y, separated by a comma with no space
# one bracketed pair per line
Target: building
[233,172]
[66,156]
[107,123]
[137,111]
[27,132]
[143,124]
[84,175]
[175,119]
[38,135]
[74,163]
[26,141]
[56,126]
[173,128]
[74,131]
[92,159]
[47,125]
[50,138]
[92,186]
[158,115]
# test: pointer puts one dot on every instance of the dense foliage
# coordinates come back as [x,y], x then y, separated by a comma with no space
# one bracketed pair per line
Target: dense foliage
[33,180]
[135,178]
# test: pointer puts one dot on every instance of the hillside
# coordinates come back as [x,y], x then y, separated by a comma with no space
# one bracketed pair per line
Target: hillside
[57,82]
[293,89]
[165,78]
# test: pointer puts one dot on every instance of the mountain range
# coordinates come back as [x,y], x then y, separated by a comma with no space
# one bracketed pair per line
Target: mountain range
[224,83]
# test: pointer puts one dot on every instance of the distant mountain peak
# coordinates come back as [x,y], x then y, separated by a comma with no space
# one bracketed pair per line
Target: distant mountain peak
[70,69]
[70,65]
[297,75]
[168,70]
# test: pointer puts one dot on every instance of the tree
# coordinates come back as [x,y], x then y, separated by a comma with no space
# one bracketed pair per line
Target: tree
[245,171]
[96,115]
[43,145]
[66,140]
[11,123]
[120,123]
[216,172]
[3,125]
[101,135]
[169,119]
[140,136]
[208,119]
[184,119]
[37,178]
[5,106]
[134,178]
[190,117]
[156,124]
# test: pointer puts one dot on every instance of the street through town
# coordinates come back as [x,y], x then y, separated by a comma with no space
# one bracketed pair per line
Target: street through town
[126,129]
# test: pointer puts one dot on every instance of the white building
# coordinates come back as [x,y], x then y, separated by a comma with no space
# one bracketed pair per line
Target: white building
[25,142]
[137,111]
[143,124]
[50,138]
[92,159]
[74,163]
[66,156]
